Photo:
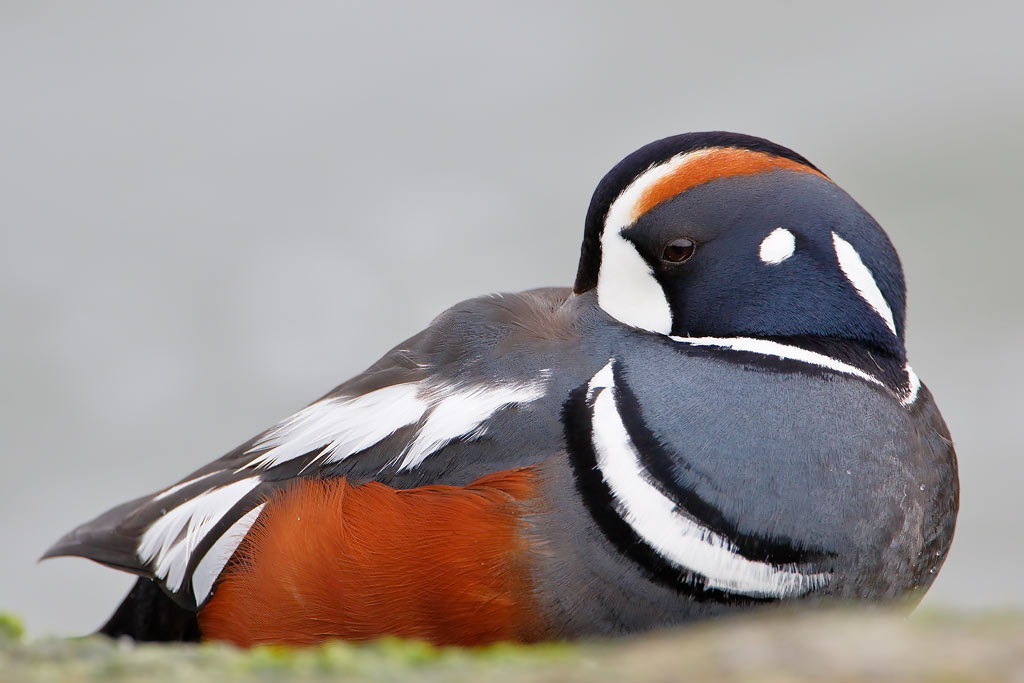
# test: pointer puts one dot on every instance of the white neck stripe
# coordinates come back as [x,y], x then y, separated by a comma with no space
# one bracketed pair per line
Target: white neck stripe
[677,538]
[772,348]
[766,347]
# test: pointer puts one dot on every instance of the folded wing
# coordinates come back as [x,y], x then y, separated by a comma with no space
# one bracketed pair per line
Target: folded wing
[408,404]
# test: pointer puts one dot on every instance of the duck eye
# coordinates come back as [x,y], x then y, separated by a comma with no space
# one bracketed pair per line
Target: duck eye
[678,250]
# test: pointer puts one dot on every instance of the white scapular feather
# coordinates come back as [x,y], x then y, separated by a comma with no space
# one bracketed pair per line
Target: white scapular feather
[657,520]
[862,280]
[461,414]
[341,426]
[344,426]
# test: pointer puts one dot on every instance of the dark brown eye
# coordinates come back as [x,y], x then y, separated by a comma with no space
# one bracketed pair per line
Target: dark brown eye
[678,250]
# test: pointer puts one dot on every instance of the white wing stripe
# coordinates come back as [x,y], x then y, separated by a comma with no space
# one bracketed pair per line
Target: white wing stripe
[656,519]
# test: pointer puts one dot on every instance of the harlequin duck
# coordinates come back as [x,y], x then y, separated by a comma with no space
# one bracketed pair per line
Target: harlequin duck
[718,415]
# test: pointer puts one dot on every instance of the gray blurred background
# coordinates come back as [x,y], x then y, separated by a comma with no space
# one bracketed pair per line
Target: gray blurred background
[212,213]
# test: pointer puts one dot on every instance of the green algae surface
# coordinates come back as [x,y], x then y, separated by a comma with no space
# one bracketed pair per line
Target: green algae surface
[839,646]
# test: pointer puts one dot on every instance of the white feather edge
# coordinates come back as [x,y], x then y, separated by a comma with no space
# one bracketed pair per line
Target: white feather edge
[656,519]
[212,564]
[168,549]
[178,487]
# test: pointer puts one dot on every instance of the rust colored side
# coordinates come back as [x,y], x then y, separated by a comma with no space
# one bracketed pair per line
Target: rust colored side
[328,560]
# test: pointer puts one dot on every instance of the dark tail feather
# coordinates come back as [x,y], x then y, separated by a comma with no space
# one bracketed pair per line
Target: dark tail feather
[147,614]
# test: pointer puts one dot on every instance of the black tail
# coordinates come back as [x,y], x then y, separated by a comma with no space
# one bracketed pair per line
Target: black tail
[148,614]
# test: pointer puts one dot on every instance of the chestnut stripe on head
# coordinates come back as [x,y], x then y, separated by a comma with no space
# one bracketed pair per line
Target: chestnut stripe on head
[696,168]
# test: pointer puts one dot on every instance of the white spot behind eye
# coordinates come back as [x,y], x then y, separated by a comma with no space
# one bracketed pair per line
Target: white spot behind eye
[777,246]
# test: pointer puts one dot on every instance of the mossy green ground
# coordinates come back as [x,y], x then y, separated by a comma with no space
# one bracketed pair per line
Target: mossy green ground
[830,646]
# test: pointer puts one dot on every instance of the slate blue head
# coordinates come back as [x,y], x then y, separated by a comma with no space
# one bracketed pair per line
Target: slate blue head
[725,235]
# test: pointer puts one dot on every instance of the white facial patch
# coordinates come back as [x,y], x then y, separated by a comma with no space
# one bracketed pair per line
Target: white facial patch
[626,287]
[862,280]
[676,537]
[777,246]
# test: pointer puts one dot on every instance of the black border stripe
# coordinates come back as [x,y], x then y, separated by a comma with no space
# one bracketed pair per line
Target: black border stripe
[658,460]
[577,418]
[889,370]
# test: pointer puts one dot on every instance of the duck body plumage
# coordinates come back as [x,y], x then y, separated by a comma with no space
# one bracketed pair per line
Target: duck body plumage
[557,463]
